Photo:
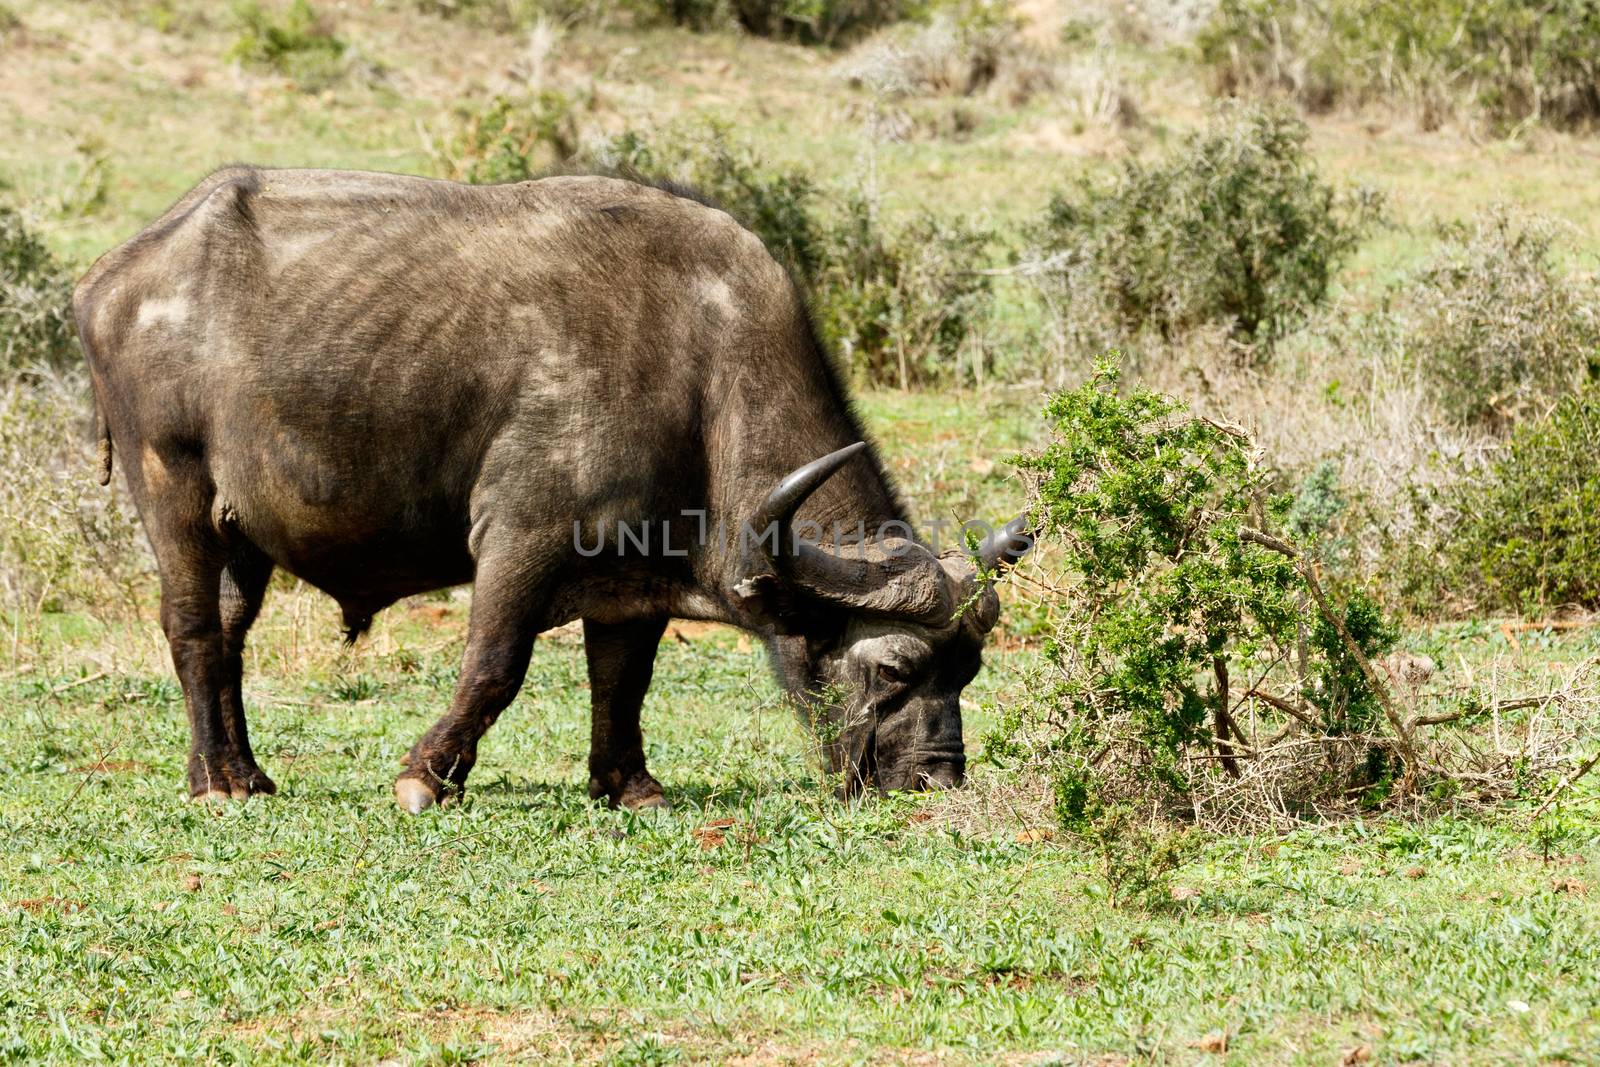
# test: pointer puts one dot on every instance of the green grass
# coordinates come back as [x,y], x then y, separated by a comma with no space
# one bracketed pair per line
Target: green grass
[527,923]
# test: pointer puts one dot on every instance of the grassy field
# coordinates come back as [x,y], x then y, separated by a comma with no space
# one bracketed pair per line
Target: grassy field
[760,920]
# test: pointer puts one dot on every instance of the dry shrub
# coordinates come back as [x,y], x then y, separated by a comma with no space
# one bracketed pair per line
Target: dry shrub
[960,51]
[36,327]
[1499,332]
[65,542]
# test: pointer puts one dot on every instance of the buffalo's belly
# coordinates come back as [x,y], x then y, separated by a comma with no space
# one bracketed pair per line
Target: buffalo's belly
[369,545]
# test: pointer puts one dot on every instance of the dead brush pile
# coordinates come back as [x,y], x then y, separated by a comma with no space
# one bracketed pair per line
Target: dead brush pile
[1215,660]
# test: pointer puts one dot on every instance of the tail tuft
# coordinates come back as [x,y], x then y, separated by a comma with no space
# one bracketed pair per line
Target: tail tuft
[103,431]
[356,623]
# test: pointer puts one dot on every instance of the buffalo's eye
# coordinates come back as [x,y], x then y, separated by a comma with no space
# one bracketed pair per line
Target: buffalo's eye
[893,672]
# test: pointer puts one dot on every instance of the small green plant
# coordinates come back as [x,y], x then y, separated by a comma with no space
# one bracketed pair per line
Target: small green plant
[1527,535]
[1185,613]
[36,327]
[513,139]
[1497,329]
[1235,229]
[354,688]
[1137,857]
[296,42]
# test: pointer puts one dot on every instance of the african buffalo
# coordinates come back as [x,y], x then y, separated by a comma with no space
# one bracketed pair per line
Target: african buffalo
[593,399]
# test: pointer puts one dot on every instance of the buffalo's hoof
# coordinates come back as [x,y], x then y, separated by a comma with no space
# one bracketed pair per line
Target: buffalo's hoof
[414,796]
[643,793]
[239,784]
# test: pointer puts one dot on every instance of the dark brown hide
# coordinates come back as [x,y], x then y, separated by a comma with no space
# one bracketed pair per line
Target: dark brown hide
[386,385]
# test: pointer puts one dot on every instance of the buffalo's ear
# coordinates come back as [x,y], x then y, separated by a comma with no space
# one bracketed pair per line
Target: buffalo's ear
[1005,546]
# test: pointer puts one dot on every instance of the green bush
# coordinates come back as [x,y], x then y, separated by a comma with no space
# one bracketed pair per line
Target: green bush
[1185,615]
[1236,229]
[825,22]
[1528,533]
[36,327]
[1498,331]
[1511,60]
[512,139]
[296,42]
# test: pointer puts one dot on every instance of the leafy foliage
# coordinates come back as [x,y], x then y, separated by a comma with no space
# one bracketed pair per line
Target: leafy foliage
[1511,60]
[779,206]
[1528,536]
[35,300]
[1176,603]
[902,304]
[1234,229]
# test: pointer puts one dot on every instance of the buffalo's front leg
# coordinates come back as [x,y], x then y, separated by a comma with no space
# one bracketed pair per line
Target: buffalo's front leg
[621,659]
[506,603]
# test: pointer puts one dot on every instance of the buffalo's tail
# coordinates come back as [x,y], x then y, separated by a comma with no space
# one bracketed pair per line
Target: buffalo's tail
[102,430]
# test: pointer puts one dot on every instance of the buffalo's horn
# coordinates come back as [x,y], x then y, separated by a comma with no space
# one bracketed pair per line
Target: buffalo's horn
[787,496]
[1004,546]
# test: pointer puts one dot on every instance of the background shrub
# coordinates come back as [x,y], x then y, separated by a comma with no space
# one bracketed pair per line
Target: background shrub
[64,541]
[508,15]
[295,41]
[901,305]
[1511,60]
[512,139]
[1498,330]
[960,49]
[1235,229]
[779,205]
[825,22]
[36,327]
[1528,534]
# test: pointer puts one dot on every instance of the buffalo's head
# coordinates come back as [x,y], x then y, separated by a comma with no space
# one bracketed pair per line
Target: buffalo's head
[878,638]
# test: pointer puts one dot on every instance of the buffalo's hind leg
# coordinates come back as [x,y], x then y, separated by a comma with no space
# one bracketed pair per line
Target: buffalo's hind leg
[621,660]
[174,496]
[243,586]
[507,608]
